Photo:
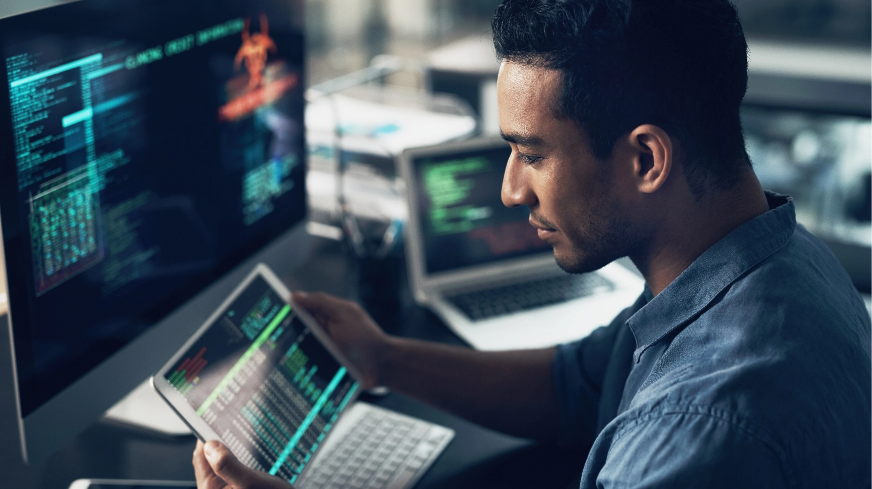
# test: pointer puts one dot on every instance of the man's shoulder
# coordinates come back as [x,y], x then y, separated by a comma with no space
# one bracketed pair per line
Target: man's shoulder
[788,336]
[781,356]
[801,289]
[804,269]
[792,328]
[767,407]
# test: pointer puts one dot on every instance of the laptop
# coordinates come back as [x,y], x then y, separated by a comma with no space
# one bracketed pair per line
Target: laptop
[263,377]
[482,268]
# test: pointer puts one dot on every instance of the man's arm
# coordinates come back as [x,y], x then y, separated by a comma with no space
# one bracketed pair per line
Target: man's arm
[511,391]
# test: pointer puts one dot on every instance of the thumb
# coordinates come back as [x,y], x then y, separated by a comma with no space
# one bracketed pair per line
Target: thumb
[226,465]
[317,304]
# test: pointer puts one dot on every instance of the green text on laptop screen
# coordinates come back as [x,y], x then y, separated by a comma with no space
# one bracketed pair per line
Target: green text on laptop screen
[463,220]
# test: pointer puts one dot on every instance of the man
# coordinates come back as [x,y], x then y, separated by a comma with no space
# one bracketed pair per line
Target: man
[746,360]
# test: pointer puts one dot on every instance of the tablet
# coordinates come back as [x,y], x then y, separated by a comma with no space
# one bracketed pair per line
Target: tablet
[262,377]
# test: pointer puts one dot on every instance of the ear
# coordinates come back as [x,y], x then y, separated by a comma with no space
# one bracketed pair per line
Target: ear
[653,156]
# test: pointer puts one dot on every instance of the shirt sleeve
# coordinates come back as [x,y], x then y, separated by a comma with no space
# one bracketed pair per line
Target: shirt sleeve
[578,370]
[697,449]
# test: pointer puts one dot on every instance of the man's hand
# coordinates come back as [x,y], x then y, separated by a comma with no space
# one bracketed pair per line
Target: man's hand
[357,335]
[217,468]
[511,391]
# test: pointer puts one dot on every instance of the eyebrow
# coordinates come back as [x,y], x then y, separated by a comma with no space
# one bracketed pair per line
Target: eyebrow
[523,140]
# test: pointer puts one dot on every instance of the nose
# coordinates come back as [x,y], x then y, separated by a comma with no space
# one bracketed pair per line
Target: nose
[516,185]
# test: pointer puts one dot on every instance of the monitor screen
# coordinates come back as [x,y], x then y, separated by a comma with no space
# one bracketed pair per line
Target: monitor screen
[148,147]
[463,220]
[262,381]
[824,161]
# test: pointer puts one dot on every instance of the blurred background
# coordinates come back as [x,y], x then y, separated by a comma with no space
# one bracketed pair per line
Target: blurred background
[345,35]
[807,114]
[807,110]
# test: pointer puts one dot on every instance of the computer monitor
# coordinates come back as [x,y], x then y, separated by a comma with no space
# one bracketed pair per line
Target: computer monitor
[151,151]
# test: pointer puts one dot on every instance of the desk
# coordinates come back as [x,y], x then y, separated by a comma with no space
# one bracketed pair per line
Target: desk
[476,458]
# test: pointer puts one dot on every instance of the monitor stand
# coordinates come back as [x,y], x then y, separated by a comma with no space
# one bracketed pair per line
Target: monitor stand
[143,408]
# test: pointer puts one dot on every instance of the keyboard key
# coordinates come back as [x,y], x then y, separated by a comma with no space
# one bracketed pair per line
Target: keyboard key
[389,453]
[402,479]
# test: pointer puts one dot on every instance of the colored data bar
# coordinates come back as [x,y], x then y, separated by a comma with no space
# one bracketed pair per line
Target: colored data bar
[261,339]
[104,71]
[77,117]
[308,421]
[60,69]
[180,383]
[184,377]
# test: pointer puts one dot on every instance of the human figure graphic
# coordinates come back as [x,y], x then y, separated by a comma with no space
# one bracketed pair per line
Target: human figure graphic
[253,51]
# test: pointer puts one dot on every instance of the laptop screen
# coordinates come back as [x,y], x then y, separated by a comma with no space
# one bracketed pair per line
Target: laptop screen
[463,220]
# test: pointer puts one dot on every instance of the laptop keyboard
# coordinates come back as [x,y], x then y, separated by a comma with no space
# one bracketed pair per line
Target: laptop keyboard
[499,301]
[383,449]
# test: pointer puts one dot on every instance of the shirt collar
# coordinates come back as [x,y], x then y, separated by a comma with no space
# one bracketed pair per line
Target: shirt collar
[714,270]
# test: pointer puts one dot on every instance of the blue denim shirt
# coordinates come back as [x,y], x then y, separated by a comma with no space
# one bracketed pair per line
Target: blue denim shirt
[751,369]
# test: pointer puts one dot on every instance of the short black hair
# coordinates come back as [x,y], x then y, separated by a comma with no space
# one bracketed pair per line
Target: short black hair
[679,64]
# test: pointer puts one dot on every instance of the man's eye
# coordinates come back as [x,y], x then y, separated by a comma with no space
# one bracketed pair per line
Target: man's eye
[529,159]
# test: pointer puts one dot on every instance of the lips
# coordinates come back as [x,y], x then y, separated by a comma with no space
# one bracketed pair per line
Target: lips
[544,232]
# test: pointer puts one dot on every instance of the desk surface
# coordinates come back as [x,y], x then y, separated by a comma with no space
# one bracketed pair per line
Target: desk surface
[476,458]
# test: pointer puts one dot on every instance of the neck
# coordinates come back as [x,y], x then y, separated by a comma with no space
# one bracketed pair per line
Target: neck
[687,234]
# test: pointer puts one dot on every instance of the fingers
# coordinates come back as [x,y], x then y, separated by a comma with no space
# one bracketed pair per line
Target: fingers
[226,466]
[206,478]
[321,304]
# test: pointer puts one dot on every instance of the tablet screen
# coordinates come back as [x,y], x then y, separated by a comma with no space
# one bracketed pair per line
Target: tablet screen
[264,383]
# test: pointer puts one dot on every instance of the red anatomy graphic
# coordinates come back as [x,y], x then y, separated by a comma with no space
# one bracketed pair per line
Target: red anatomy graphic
[264,95]
[254,50]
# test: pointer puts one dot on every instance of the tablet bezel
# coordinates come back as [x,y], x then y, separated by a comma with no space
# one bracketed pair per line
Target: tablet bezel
[181,406]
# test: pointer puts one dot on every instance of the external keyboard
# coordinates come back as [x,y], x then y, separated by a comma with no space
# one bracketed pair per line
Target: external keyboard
[488,303]
[373,447]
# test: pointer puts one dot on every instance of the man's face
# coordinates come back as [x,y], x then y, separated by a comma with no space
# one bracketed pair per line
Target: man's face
[571,195]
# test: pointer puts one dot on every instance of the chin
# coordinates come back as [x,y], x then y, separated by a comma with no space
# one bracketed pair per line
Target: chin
[580,262]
